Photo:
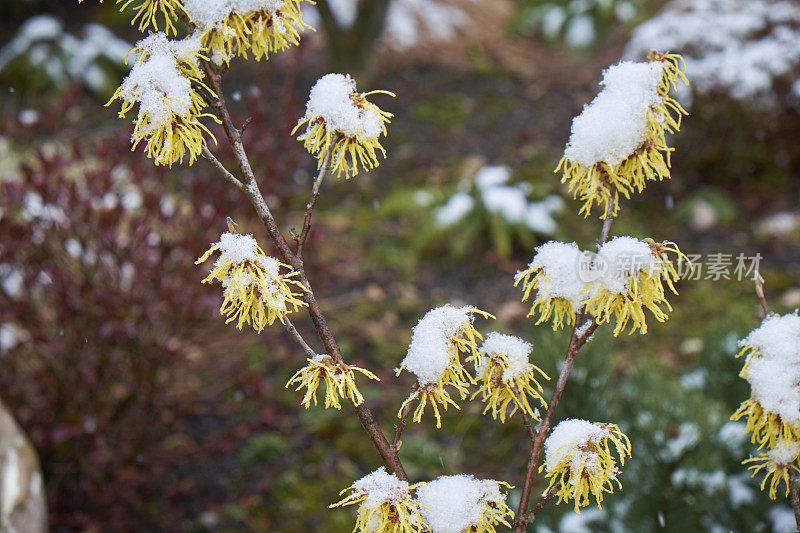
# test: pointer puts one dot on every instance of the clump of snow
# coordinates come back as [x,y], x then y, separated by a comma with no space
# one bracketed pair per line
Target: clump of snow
[456,208]
[453,504]
[782,519]
[380,487]
[561,264]
[778,337]
[508,201]
[621,258]
[238,248]
[571,438]
[331,100]
[516,350]
[408,22]
[613,125]
[687,438]
[491,176]
[430,350]
[63,57]
[580,32]
[208,14]
[156,80]
[783,453]
[738,47]
[774,370]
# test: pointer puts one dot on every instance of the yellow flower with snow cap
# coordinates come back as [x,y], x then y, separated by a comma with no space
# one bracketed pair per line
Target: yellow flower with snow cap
[465,504]
[342,126]
[259,27]
[507,378]
[772,368]
[618,142]
[578,457]
[161,82]
[434,357]
[559,275]
[777,464]
[385,504]
[339,381]
[255,292]
[636,272]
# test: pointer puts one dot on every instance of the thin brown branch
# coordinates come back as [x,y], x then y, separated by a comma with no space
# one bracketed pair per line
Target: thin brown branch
[795,498]
[577,340]
[301,240]
[298,338]
[527,422]
[546,498]
[398,430]
[251,190]
[230,178]
[581,333]
[760,293]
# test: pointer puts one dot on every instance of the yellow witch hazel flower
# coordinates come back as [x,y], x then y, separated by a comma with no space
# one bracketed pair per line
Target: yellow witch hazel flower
[254,290]
[433,357]
[464,504]
[342,126]
[386,504]
[507,377]
[558,275]
[631,275]
[777,465]
[169,107]
[772,368]
[230,27]
[578,455]
[339,378]
[618,142]
[147,12]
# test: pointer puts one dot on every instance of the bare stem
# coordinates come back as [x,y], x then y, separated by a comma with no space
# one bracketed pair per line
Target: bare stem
[795,497]
[546,498]
[301,240]
[527,422]
[224,171]
[760,293]
[398,430]
[298,338]
[575,343]
[251,190]
[580,336]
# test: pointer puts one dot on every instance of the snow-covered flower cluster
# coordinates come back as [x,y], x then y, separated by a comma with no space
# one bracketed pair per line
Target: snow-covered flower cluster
[464,504]
[165,79]
[434,357]
[625,277]
[342,127]
[169,106]
[339,378]
[777,464]
[254,290]
[260,27]
[618,142]
[747,49]
[386,504]
[507,377]
[578,457]
[498,197]
[772,413]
